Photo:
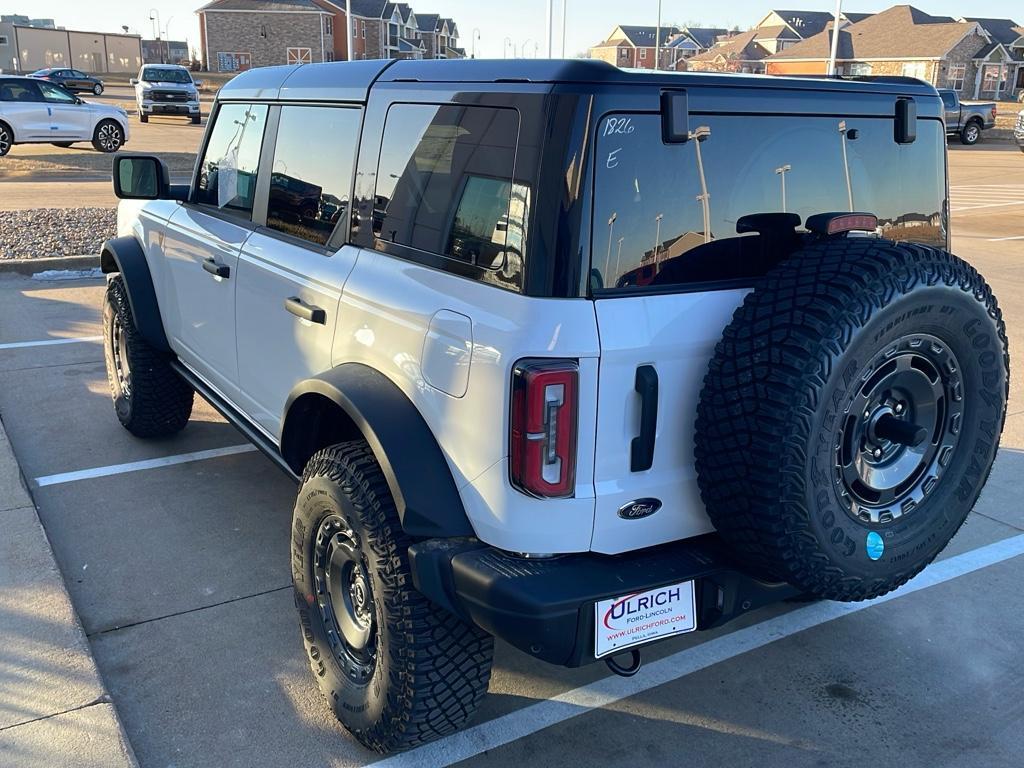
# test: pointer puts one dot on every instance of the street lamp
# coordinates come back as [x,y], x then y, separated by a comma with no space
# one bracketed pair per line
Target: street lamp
[504,48]
[782,170]
[154,15]
[657,239]
[611,229]
[846,163]
[700,135]
[618,258]
[476,36]
[522,48]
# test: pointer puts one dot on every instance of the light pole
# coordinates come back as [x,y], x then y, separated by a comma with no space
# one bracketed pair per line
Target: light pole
[476,36]
[348,31]
[657,41]
[504,48]
[526,42]
[782,170]
[611,229]
[846,163]
[700,135]
[565,7]
[657,239]
[618,257]
[167,36]
[835,39]
[154,15]
[548,28]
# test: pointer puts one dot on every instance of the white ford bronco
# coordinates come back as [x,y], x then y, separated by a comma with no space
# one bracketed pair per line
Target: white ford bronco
[574,357]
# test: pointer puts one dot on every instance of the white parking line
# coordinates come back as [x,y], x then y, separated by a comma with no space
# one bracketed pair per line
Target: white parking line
[137,466]
[49,342]
[535,717]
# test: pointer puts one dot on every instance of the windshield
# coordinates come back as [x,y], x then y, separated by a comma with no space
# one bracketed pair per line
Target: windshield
[42,72]
[165,75]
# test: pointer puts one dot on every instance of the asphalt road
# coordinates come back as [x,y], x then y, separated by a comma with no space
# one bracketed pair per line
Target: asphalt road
[180,576]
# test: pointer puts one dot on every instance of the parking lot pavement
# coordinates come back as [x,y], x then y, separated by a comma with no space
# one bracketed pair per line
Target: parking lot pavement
[179,573]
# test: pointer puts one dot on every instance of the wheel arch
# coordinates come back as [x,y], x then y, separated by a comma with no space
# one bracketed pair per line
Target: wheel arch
[124,255]
[354,401]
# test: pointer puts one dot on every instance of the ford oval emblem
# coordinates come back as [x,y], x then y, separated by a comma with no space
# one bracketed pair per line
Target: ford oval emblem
[639,509]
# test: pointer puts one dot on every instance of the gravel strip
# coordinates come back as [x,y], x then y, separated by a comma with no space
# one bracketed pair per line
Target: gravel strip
[42,232]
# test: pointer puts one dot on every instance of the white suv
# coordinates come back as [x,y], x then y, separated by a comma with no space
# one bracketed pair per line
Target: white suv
[35,112]
[166,89]
[570,356]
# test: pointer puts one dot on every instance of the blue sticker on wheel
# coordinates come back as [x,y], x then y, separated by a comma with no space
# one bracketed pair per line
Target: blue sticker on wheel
[875,545]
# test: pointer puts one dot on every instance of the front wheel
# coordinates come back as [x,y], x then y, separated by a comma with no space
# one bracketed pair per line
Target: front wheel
[109,137]
[150,398]
[971,133]
[97,89]
[6,139]
[397,670]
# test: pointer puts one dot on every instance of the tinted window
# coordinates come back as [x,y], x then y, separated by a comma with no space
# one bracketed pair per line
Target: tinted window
[19,90]
[446,185]
[56,94]
[309,191]
[948,99]
[669,214]
[166,75]
[227,173]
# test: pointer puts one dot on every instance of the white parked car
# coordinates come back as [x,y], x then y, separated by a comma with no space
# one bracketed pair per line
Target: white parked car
[35,112]
[166,89]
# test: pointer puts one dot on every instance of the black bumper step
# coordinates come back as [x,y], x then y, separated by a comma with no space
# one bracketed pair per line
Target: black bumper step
[546,607]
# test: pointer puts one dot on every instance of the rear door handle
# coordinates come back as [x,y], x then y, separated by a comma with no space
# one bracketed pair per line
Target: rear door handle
[642,448]
[299,308]
[217,270]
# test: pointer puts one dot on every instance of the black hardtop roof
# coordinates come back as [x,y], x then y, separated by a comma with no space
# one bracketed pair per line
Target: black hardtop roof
[351,81]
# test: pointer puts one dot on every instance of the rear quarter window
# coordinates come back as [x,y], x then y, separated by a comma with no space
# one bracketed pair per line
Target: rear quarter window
[665,215]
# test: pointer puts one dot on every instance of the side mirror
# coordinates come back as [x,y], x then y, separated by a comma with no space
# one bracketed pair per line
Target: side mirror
[141,177]
[133,81]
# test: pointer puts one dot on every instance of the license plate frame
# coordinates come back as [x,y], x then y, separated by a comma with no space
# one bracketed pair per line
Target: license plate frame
[637,618]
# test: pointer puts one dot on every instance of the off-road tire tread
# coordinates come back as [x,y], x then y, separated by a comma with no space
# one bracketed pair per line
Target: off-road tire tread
[757,402]
[161,400]
[440,666]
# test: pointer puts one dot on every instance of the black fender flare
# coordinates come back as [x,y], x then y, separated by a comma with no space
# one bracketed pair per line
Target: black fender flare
[125,255]
[416,470]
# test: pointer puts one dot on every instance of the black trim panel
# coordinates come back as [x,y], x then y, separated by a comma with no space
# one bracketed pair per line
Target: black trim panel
[125,255]
[416,469]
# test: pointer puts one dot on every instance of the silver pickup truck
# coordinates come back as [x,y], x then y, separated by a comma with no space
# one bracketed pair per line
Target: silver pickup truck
[967,119]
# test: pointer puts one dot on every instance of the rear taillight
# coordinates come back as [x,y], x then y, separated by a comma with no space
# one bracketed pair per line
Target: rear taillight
[544,406]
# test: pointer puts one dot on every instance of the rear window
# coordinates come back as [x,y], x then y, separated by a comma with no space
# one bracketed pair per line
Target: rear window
[666,215]
[447,188]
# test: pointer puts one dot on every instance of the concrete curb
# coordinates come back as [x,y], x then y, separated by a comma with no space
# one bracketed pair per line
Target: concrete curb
[31,266]
[55,709]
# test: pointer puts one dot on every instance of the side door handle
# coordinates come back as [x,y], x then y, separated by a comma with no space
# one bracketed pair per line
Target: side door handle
[217,270]
[299,308]
[642,448]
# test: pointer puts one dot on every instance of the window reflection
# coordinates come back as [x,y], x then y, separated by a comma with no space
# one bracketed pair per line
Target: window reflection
[309,191]
[446,185]
[227,174]
[675,214]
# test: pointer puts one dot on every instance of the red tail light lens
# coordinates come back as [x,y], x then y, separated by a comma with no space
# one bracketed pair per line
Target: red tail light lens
[544,406]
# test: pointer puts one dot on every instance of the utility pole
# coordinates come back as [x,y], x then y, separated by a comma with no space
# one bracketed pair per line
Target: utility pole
[657,40]
[548,27]
[348,28]
[611,229]
[565,6]
[835,39]
[700,135]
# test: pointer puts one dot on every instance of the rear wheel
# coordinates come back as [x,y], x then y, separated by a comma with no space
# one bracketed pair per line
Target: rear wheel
[150,398]
[851,415]
[971,133]
[397,670]
[6,139]
[109,136]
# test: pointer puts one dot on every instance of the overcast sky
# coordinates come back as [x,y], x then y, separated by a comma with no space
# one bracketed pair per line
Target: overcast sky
[589,21]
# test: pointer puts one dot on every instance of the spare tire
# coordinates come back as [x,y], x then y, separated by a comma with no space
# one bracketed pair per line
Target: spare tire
[851,414]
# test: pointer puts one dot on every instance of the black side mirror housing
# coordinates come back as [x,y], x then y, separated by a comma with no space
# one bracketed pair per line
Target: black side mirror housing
[142,177]
[906,121]
[675,117]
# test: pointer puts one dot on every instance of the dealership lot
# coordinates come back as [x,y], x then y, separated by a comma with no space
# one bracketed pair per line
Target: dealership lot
[175,555]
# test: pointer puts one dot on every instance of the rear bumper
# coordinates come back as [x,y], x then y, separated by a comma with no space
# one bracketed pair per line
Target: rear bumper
[546,607]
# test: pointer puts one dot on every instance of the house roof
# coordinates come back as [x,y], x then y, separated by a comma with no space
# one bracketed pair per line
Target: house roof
[704,36]
[1005,31]
[367,9]
[778,32]
[743,46]
[643,37]
[428,22]
[805,23]
[295,6]
[410,46]
[682,41]
[899,32]
[853,18]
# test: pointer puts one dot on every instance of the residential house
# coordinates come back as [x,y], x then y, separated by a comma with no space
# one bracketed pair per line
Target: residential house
[743,52]
[689,42]
[904,40]
[236,35]
[165,52]
[440,37]
[634,46]
[999,66]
